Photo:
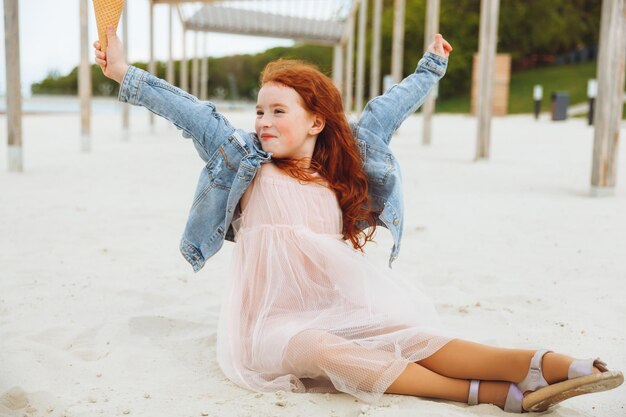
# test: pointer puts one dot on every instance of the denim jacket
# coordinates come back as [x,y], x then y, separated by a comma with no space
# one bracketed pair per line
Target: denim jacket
[233,156]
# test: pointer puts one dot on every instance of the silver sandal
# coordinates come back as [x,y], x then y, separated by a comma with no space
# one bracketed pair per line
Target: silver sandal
[513,402]
[580,380]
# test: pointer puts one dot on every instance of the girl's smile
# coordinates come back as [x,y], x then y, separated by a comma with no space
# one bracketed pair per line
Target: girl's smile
[285,127]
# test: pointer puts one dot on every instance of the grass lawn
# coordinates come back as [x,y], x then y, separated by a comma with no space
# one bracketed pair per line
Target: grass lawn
[571,78]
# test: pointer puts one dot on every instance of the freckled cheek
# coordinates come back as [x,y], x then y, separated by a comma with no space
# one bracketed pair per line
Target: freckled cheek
[284,132]
[286,140]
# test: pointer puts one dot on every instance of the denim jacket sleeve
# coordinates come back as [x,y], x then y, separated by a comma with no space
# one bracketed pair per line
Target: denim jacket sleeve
[197,119]
[385,113]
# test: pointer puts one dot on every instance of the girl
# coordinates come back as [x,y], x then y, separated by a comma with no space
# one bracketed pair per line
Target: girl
[306,311]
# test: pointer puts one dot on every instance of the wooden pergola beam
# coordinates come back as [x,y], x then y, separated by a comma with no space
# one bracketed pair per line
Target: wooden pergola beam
[486,62]
[261,34]
[125,106]
[170,47]
[151,62]
[14,93]
[184,76]
[338,67]
[195,67]
[84,80]
[204,70]
[397,46]
[430,29]
[223,19]
[343,54]
[360,63]
[184,66]
[376,40]
[200,23]
[349,86]
[610,99]
[351,16]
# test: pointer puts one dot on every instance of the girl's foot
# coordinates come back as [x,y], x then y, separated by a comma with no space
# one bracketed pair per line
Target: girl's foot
[553,367]
[553,377]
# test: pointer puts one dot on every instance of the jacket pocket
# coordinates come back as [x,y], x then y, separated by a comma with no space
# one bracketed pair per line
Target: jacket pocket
[222,168]
[246,172]
[378,164]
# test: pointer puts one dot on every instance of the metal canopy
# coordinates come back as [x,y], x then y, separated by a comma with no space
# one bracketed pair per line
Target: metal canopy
[311,21]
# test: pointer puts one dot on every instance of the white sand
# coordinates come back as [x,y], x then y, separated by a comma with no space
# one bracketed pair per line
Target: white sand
[101,315]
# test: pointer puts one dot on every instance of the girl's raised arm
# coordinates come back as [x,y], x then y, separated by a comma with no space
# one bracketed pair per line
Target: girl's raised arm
[385,113]
[198,120]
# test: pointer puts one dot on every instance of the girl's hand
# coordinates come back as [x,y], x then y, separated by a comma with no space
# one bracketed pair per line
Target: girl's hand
[440,46]
[112,62]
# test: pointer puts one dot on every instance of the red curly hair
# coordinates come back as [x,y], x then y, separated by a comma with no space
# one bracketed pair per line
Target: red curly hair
[336,155]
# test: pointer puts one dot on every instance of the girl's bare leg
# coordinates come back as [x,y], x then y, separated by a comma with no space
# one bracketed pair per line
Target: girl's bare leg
[420,381]
[468,360]
[316,351]
[446,373]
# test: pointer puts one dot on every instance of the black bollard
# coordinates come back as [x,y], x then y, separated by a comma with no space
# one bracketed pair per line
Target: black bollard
[537,108]
[537,96]
[592,92]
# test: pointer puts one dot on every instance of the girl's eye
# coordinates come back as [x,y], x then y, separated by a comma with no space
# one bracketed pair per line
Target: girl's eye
[259,113]
[278,111]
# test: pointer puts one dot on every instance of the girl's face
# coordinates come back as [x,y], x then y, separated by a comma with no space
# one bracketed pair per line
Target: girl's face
[283,125]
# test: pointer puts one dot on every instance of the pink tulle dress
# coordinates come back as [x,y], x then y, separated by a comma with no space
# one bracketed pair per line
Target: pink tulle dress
[304,311]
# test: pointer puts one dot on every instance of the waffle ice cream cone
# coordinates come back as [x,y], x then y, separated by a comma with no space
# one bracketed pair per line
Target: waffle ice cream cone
[108,13]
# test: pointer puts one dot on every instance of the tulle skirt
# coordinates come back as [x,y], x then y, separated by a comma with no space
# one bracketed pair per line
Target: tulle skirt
[305,312]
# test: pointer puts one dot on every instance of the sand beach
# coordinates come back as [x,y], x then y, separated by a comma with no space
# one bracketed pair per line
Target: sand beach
[100,315]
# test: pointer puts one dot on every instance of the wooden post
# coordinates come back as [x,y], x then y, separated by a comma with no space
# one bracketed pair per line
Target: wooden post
[343,58]
[152,63]
[486,60]
[430,29]
[125,106]
[184,68]
[610,99]
[170,60]
[204,70]
[14,85]
[376,35]
[84,80]
[338,67]
[501,80]
[349,87]
[195,76]
[397,47]
[360,64]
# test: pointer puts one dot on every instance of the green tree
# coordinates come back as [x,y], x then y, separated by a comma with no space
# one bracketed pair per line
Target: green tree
[526,28]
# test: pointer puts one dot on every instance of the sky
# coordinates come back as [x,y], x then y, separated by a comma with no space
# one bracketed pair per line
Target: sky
[49,38]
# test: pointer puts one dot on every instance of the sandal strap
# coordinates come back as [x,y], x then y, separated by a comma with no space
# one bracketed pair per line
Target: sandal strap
[534,379]
[472,398]
[584,367]
[514,400]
